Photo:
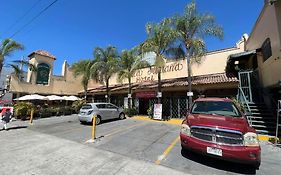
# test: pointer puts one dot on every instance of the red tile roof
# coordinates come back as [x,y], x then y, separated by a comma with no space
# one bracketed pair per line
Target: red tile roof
[43,53]
[175,82]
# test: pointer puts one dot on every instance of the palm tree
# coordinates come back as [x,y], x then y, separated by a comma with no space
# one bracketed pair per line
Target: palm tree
[192,27]
[105,66]
[129,64]
[160,38]
[18,65]
[83,68]
[7,47]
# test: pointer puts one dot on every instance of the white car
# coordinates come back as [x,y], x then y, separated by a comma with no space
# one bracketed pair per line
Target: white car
[102,111]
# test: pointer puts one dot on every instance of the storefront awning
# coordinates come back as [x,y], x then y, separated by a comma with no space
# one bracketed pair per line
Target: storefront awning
[241,55]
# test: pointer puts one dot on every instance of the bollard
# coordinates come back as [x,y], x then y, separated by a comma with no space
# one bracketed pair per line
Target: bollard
[94,128]
[31,116]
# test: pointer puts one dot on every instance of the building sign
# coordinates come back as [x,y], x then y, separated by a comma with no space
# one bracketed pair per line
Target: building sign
[144,75]
[149,94]
[157,113]
[43,71]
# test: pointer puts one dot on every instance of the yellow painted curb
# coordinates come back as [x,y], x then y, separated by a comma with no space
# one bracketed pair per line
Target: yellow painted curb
[171,121]
[179,122]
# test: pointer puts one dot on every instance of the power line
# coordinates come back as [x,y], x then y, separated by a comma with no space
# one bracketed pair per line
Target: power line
[22,17]
[35,17]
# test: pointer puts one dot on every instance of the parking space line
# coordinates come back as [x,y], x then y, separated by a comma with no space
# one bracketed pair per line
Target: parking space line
[120,130]
[166,152]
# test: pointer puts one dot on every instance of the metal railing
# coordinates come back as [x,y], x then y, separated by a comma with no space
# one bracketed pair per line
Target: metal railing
[241,98]
[277,121]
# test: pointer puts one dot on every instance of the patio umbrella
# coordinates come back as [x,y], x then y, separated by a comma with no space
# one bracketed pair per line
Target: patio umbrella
[55,97]
[31,97]
[71,98]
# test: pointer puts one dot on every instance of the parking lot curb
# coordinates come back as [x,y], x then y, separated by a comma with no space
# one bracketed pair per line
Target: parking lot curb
[171,121]
[179,122]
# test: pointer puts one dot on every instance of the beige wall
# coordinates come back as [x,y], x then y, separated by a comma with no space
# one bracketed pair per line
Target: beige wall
[59,85]
[268,25]
[213,62]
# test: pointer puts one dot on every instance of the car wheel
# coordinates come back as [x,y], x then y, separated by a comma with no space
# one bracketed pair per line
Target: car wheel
[98,120]
[122,116]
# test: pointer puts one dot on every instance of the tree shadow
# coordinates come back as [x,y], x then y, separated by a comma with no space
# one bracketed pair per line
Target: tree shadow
[14,128]
[218,163]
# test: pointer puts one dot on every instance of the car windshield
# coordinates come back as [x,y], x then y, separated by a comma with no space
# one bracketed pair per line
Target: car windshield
[87,107]
[215,108]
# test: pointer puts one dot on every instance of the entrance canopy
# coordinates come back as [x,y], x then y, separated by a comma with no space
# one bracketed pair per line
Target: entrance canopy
[241,61]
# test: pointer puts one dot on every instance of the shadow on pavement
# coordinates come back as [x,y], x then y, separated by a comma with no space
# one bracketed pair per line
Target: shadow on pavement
[102,122]
[15,127]
[217,163]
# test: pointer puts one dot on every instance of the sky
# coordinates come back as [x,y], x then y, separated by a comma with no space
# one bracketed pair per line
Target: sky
[71,29]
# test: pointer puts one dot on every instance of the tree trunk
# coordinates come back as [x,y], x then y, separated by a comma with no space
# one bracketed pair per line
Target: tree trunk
[1,66]
[130,92]
[107,91]
[159,85]
[85,93]
[189,82]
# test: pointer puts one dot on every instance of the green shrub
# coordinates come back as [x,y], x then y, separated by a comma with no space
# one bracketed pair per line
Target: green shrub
[77,105]
[22,110]
[45,112]
[130,112]
[150,111]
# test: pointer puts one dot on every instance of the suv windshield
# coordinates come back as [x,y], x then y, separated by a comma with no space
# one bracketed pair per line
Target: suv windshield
[215,108]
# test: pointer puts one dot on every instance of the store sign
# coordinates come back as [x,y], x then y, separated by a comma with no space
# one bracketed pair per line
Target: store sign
[144,75]
[149,94]
[157,113]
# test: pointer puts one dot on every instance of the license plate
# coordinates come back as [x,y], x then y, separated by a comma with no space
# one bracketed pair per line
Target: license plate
[214,151]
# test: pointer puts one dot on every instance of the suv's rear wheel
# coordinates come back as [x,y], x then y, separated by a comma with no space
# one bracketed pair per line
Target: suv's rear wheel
[122,116]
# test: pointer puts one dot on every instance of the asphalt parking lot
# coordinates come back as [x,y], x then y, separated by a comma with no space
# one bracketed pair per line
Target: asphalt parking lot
[153,142]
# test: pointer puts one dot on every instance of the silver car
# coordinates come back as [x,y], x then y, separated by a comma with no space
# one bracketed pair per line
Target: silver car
[102,111]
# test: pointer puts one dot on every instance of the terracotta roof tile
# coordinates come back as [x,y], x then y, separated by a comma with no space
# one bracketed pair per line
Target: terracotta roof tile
[196,80]
[43,53]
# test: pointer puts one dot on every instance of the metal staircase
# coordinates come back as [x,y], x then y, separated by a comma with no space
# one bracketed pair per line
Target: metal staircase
[259,115]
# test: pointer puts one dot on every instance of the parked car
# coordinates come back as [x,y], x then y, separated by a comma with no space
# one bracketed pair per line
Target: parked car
[216,127]
[102,111]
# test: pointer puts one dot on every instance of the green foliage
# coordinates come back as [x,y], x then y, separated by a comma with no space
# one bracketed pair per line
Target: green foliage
[76,106]
[22,110]
[7,47]
[130,111]
[238,104]
[84,68]
[150,111]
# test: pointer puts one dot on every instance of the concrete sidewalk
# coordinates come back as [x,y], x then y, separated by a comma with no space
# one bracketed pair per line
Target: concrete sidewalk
[27,152]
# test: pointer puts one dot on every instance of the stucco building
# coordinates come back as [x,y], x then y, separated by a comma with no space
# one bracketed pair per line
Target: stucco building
[209,79]
[43,81]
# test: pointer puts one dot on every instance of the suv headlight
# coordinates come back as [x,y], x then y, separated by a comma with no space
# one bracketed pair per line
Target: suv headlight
[251,139]
[185,129]
[90,112]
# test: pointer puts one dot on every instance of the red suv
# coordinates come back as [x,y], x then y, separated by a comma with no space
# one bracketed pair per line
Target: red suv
[216,127]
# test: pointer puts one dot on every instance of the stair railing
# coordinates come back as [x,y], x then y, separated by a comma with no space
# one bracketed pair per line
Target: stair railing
[277,122]
[242,98]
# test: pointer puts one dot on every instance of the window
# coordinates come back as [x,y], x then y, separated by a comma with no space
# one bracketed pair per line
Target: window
[87,106]
[215,108]
[266,49]
[43,73]
[109,106]
[100,106]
